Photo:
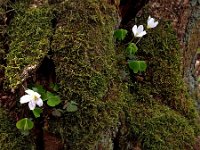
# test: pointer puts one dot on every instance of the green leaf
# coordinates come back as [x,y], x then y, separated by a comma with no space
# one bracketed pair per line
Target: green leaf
[52,99]
[54,87]
[39,89]
[143,65]
[72,106]
[24,124]
[37,112]
[120,34]
[132,48]
[137,66]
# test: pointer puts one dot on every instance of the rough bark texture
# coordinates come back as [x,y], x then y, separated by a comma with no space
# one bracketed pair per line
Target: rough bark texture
[70,43]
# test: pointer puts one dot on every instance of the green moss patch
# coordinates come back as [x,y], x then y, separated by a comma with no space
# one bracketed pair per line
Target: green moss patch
[84,57]
[2,34]
[164,75]
[158,127]
[2,39]
[29,34]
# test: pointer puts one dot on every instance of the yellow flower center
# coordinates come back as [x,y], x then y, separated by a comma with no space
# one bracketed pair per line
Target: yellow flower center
[35,97]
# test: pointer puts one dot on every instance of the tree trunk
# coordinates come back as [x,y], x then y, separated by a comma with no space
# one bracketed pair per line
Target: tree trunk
[70,44]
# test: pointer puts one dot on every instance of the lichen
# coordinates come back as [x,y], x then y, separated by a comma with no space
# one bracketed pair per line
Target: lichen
[29,33]
[191,53]
[10,137]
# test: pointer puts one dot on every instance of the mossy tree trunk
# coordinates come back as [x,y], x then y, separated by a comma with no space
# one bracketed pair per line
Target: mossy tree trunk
[70,43]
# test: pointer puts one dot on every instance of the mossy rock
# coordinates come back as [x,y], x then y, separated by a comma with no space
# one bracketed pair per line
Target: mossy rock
[10,137]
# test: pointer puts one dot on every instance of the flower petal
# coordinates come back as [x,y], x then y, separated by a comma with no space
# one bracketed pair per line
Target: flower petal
[25,99]
[148,19]
[33,93]
[142,34]
[29,92]
[31,105]
[134,29]
[39,102]
[155,24]
[140,29]
[151,21]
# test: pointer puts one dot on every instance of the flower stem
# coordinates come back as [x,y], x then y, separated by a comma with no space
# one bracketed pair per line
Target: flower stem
[138,41]
[129,42]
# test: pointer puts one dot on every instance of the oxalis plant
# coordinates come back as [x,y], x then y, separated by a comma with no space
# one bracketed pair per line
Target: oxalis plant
[37,97]
[138,32]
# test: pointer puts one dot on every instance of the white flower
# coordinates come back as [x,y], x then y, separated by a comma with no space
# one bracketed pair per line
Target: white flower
[138,31]
[151,23]
[32,98]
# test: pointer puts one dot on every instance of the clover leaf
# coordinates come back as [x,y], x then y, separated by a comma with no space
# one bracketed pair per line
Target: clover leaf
[37,112]
[120,34]
[71,106]
[52,99]
[137,66]
[132,48]
[24,124]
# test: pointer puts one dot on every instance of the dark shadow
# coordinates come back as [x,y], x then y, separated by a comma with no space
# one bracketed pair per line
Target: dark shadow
[129,9]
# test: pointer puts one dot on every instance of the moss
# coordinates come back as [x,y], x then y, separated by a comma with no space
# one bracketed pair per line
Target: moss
[84,57]
[2,39]
[161,113]
[3,26]
[29,34]
[159,127]
[164,75]
[2,32]
[10,137]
